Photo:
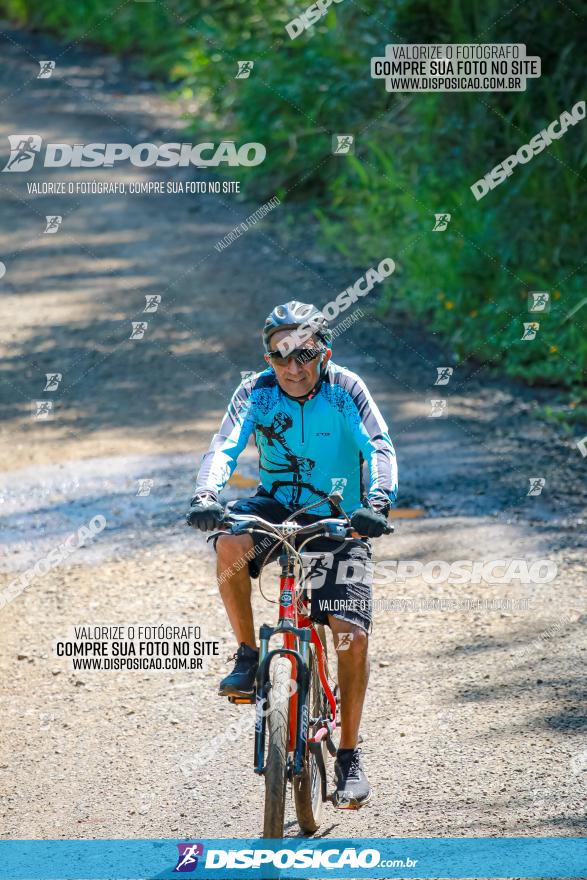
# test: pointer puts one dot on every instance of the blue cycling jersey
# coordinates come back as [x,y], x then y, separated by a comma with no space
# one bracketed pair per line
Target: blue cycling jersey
[307,449]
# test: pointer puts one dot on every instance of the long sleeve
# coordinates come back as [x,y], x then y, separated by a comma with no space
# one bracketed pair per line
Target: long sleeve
[219,461]
[372,437]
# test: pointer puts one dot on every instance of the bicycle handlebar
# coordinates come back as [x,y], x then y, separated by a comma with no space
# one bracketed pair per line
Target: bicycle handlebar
[331,527]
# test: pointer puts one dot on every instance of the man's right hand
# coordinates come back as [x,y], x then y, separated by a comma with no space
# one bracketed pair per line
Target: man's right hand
[205,513]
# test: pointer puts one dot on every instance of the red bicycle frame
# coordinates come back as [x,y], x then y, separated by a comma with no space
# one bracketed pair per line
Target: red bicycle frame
[289,610]
[299,634]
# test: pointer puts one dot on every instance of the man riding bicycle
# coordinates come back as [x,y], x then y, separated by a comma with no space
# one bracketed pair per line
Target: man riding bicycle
[314,425]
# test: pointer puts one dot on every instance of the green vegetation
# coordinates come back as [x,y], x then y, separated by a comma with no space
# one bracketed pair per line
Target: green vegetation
[416,154]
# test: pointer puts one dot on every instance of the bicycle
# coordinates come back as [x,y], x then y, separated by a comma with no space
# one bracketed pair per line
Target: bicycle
[296,708]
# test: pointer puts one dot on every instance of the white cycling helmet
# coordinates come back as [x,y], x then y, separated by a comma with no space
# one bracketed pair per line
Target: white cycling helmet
[293,314]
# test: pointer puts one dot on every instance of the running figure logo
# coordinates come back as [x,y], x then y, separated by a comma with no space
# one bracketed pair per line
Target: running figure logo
[338,484]
[530,330]
[42,410]
[47,68]
[539,301]
[244,69]
[441,222]
[444,374]
[53,223]
[138,329]
[188,856]
[537,484]
[343,144]
[53,380]
[152,302]
[23,150]
[344,641]
[438,409]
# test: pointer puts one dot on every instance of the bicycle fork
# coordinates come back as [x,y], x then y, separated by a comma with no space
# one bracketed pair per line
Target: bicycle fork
[302,679]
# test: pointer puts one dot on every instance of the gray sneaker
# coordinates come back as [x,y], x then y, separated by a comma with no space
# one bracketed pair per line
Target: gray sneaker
[352,786]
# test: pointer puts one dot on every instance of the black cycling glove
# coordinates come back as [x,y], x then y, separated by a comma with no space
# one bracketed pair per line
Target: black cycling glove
[205,512]
[369,523]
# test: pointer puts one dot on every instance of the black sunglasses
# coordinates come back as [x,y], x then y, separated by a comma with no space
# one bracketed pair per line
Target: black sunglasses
[301,355]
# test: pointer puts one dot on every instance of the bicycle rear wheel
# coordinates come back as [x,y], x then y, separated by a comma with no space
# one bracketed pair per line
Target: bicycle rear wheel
[310,787]
[276,763]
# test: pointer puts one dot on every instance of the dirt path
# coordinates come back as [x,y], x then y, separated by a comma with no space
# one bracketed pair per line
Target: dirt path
[475,719]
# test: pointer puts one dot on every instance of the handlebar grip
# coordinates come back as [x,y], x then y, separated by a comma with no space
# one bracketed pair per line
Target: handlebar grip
[387,530]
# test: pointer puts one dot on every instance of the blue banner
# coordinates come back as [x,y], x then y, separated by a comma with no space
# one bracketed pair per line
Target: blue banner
[227,859]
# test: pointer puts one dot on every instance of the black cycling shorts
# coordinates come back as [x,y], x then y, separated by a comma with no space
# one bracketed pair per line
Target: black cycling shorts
[338,578]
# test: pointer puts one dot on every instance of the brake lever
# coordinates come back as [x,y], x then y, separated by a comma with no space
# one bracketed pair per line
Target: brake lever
[224,526]
[387,530]
[216,533]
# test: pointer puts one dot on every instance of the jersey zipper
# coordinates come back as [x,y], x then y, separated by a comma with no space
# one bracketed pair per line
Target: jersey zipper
[302,407]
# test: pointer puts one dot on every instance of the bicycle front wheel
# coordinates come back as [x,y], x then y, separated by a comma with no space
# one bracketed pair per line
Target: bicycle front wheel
[276,763]
[310,787]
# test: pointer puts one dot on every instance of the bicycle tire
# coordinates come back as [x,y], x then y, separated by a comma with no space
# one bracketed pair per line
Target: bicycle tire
[309,788]
[277,733]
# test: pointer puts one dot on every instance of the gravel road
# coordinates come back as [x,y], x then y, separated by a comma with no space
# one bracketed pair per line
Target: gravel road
[475,720]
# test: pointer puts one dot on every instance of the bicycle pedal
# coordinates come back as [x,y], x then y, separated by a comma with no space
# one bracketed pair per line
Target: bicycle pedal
[238,700]
[343,804]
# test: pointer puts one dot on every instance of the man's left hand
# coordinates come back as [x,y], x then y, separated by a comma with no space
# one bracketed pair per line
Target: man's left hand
[368,522]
